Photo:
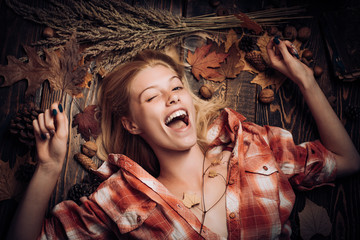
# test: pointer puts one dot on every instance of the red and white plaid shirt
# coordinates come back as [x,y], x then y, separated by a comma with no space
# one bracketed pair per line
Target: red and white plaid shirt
[131,204]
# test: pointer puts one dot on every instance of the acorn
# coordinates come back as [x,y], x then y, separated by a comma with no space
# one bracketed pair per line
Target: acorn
[206,91]
[290,33]
[266,96]
[318,71]
[272,30]
[89,148]
[307,54]
[304,34]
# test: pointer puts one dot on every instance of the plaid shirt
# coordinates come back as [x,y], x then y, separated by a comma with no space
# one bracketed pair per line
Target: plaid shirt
[265,162]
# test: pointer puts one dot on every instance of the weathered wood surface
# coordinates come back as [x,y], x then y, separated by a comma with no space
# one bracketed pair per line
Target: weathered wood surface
[289,111]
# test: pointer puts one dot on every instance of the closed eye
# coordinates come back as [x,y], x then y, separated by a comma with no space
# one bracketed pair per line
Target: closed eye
[149,99]
[177,88]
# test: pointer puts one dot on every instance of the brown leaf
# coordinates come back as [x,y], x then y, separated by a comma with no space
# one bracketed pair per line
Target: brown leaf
[60,67]
[10,187]
[249,23]
[231,38]
[88,125]
[36,70]
[232,66]
[204,63]
[191,200]
[314,219]
[268,78]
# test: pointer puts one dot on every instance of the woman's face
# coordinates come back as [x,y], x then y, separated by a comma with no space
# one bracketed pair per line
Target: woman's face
[161,110]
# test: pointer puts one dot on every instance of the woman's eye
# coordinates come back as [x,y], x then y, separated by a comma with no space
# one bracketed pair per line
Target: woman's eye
[177,88]
[149,99]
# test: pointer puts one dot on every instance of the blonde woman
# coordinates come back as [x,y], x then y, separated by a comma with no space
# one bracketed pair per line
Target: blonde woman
[179,169]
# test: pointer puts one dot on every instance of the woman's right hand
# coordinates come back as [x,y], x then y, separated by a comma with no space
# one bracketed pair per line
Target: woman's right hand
[51,135]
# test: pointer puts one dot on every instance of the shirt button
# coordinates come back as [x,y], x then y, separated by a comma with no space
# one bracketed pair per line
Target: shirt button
[231,181]
[138,219]
[232,215]
[265,168]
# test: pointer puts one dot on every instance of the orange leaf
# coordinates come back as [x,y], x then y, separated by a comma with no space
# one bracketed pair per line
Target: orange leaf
[191,200]
[203,62]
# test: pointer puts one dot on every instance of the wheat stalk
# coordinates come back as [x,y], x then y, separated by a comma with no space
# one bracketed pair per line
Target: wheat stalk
[116,31]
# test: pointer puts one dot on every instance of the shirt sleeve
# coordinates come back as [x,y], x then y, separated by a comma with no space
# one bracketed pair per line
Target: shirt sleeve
[71,221]
[307,165]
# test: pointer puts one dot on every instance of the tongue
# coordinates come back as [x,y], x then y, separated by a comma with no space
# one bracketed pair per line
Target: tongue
[177,124]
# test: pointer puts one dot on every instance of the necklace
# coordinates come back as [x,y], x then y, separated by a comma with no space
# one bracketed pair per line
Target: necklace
[192,200]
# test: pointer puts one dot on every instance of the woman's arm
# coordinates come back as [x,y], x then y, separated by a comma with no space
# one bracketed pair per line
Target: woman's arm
[51,134]
[332,133]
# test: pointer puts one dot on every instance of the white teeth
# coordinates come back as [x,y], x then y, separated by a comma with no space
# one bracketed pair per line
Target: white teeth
[175,115]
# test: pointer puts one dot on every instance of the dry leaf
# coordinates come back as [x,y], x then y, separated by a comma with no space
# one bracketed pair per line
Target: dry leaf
[204,63]
[314,219]
[88,125]
[10,187]
[262,43]
[248,23]
[231,38]
[212,174]
[268,78]
[60,67]
[232,66]
[191,200]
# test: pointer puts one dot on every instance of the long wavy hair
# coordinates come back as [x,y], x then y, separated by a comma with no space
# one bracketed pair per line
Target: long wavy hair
[114,97]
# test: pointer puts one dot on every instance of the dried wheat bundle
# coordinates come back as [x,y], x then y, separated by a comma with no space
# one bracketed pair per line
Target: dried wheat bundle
[115,31]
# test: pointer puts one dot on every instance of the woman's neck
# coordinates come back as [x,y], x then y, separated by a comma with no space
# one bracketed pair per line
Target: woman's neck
[182,169]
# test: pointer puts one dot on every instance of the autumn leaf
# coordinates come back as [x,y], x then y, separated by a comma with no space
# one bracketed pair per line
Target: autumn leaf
[191,200]
[314,219]
[249,23]
[268,78]
[231,39]
[232,66]
[10,187]
[88,125]
[59,67]
[204,63]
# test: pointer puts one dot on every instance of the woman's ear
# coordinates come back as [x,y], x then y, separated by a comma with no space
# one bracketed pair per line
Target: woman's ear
[130,126]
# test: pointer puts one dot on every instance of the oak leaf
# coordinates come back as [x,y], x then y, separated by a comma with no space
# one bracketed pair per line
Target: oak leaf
[314,219]
[87,122]
[191,200]
[204,63]
[10,187]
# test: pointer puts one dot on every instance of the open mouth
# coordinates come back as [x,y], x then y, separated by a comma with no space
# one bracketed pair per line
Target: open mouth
[177,120]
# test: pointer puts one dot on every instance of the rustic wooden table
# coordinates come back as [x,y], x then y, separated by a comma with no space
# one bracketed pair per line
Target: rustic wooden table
[342,202]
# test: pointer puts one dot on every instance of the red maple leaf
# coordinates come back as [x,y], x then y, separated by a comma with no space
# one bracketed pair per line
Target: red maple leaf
[88,125]
[204,63]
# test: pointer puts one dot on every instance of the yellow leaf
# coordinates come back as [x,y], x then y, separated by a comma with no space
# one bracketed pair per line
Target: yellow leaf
[314,219]
[212,174]
[191,200]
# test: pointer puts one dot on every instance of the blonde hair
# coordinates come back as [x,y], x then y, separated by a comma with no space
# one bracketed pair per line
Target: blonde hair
[114,97]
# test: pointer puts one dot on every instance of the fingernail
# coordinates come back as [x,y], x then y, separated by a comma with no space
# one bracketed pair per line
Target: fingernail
[54,112]
[60,107]
[52,132]
[43,136]
[276,40]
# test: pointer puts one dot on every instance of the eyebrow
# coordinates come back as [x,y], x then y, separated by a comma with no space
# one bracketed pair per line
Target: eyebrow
[153,86]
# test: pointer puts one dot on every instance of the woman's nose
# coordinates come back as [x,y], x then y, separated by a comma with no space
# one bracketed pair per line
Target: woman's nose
[173,98]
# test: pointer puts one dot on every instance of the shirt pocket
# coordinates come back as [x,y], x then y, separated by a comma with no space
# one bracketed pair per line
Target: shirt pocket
[262,176]
[134,216]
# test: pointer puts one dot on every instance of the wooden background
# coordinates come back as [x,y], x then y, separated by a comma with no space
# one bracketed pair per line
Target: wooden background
[289,111]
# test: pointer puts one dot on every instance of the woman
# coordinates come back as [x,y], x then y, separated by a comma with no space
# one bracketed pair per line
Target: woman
[233,182]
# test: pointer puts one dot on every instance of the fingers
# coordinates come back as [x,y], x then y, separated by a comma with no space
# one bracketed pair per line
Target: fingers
[52,122]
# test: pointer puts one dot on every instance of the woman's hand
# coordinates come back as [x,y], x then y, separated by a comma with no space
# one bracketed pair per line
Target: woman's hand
[282,60]
[51,134]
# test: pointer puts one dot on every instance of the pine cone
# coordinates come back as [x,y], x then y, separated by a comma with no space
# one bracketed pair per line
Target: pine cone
[247,43]
[86,188]
[21,124]
[85,161]
[255,59]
